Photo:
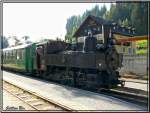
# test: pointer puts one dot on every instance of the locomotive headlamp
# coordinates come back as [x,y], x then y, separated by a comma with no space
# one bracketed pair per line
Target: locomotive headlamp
[100,64]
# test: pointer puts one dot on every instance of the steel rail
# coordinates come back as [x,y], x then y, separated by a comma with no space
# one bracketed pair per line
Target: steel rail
[136,98]
[63,107]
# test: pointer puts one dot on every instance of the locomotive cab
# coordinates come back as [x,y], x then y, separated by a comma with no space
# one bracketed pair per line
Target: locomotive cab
[89,43]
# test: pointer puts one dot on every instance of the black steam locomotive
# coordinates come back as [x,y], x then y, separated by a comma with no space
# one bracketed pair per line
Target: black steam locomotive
[90,62]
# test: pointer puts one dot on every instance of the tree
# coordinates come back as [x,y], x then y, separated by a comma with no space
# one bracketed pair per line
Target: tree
[26,39]
[127,14]
[75,21]
[17,41]
[139,17]
[125,23]
[102,11]
[110,14]
[4,42]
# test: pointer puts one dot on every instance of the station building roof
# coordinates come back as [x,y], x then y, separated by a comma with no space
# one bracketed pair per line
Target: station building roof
[95,23]
[133,39]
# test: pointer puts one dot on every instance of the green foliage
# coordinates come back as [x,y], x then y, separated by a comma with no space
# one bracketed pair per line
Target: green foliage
[142,51]
[125,22]
[139,17]
[127,14]
[75,21]
[141,47]
[142,43]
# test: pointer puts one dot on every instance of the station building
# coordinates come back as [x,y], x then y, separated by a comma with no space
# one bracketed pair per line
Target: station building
[125,36]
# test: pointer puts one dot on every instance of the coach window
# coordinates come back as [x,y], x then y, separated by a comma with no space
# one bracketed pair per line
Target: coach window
[16,54]
[5,55]
[20,53]
[12,54]
[23,54]
[8,55]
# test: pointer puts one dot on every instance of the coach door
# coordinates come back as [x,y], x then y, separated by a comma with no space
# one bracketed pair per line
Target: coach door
[39,53]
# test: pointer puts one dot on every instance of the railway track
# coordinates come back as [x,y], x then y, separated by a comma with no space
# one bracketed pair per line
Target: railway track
[136,96]
[35,101]
[134,81]
[139,97]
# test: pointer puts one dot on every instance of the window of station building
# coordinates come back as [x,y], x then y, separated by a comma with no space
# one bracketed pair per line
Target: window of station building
[114,27]
[134,51]
[118,43]
[129,50]
[99,29]
[127,43]
[123,49]
[85,31]
[80,39]
[100,41]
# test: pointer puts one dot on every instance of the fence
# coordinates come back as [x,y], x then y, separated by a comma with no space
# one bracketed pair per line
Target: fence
[137,64]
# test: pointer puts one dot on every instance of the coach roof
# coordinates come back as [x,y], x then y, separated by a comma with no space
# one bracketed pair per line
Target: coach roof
[17,47]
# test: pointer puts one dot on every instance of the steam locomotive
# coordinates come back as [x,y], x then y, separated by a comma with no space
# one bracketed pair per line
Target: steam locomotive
[88,63]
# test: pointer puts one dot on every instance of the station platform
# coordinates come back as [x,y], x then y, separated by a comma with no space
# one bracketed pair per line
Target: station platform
[74,98]
[137,84]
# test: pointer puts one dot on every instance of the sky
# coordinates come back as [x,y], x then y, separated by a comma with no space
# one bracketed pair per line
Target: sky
[41,20]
